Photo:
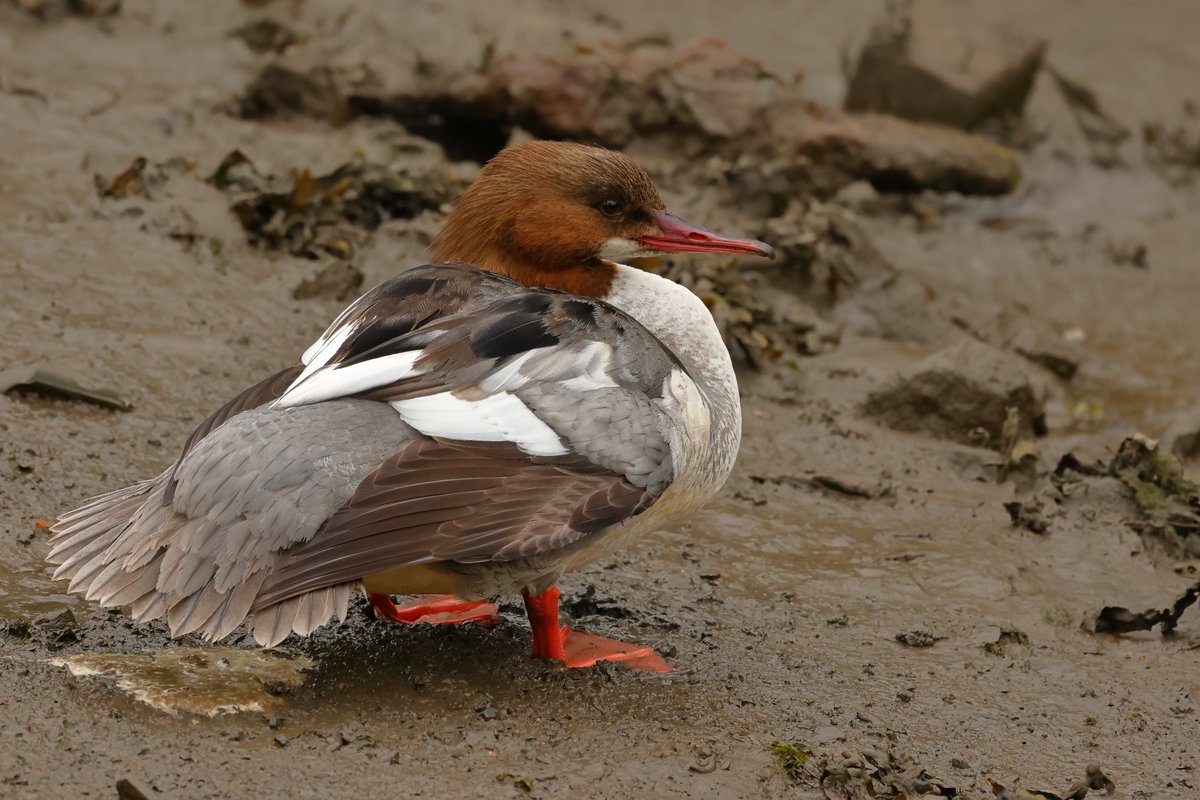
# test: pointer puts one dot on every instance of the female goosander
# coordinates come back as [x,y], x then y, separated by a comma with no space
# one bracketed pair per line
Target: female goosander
[471,428]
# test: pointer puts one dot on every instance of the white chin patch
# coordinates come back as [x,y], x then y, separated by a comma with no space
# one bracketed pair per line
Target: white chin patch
[621,250]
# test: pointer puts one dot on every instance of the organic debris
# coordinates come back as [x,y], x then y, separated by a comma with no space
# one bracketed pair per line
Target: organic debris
[1173,150]
[1183,434]
[1028,514]
[320,216]
[823,252]
[875,775]
[279,92]
[43,380]
[791,757]
[1169,503]
[140,177]
[1019,453]
[1007,636]
[1115,619]
[766,312]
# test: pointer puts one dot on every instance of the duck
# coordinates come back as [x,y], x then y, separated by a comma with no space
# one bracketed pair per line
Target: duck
[472,428]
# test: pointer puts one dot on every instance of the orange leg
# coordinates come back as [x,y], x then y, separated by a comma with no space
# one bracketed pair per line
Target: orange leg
[576,649]
[435,609]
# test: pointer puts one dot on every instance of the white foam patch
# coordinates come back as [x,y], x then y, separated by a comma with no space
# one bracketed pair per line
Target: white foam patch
[208,681]
[330,382]
[499,418]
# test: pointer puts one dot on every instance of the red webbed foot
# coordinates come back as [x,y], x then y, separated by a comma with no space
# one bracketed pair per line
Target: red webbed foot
[435,609]
[578,649]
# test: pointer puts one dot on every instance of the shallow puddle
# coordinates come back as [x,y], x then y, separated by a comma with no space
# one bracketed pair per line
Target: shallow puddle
[208,682]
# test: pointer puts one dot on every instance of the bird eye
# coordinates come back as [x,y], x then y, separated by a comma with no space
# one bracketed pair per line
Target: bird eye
[609,207]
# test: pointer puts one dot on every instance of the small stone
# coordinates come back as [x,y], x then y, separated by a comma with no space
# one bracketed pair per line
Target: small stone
[281,740]
[959,763]
[489,712]
[916,639]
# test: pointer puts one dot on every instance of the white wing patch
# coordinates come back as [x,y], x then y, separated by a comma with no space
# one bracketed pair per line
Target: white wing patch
[315,385]
[319,352]
[499,418]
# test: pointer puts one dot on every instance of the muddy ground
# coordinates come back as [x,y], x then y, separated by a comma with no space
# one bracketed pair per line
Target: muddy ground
[860,508]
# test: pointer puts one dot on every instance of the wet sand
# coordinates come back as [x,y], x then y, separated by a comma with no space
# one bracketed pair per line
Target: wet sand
[779,604]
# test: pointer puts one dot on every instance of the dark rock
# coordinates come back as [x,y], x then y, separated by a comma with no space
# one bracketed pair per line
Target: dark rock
[897,155]
[57,623]
[962,393]
[933,70]
[127,791]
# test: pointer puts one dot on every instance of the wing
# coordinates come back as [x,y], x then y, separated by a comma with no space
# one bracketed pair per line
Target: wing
[395,307]
[543,418]
[449,414]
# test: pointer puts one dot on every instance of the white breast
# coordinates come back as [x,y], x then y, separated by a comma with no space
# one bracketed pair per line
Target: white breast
[705,398]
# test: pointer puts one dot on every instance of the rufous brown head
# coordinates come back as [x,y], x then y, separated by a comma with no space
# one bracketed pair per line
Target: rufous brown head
[559,215]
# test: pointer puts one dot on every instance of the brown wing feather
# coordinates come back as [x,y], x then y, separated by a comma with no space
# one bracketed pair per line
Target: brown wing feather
[265,391]
[442,501]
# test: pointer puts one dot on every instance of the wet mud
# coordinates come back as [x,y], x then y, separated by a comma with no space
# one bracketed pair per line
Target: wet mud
[938,503]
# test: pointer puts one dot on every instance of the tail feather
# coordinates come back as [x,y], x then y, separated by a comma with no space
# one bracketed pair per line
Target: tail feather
[141,581]
[193,611]
[121,548]
[152,605]
[81,534]
[236,608]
